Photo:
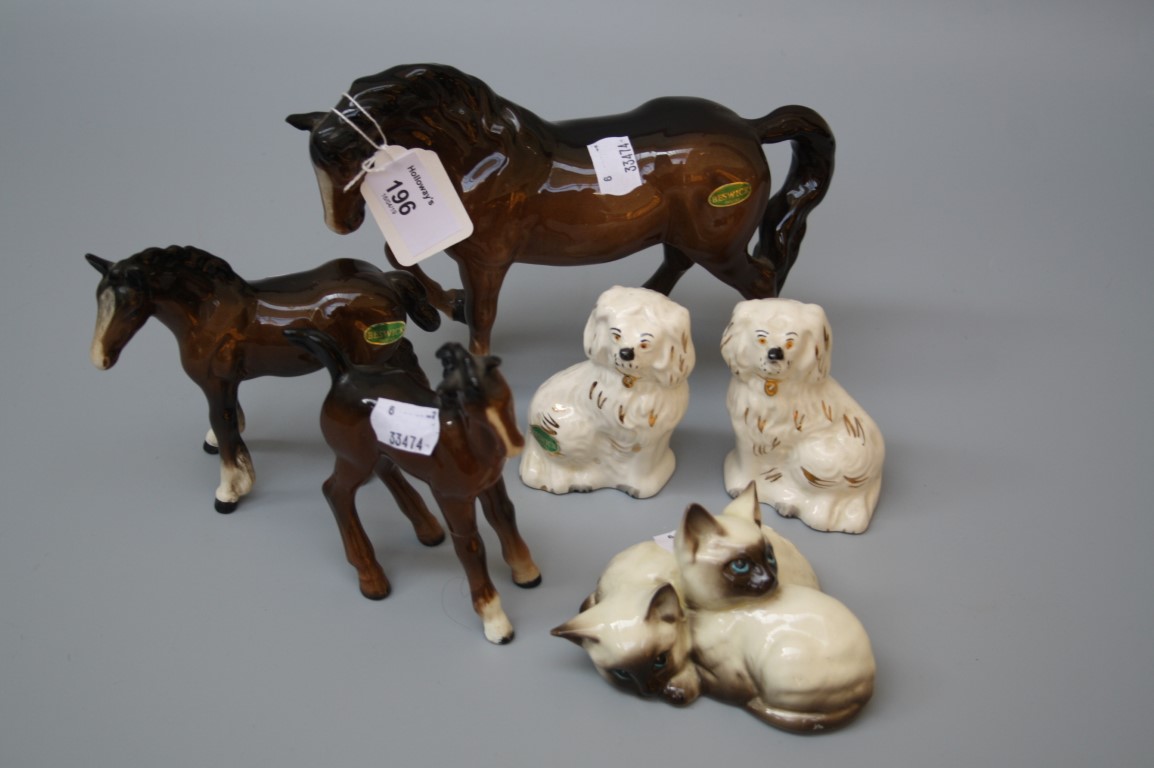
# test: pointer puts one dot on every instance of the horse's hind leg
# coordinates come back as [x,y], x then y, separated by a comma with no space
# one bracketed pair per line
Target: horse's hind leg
[673,266]
[460,515]
[429,531]
[499,511]
[753,278]
[340,492]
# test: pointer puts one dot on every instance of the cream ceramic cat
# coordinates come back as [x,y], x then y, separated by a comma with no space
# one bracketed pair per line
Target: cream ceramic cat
[635,628]
[792,655]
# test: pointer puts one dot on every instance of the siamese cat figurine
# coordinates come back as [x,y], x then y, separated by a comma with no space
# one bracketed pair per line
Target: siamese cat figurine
[634,625]
[634,628]
[792,655]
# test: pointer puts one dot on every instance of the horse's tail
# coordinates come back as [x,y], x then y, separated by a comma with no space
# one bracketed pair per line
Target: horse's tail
[783,225]
[321,346]
[415,299]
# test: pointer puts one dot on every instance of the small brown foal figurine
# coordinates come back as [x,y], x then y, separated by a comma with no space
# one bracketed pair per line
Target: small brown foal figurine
[230,330]
[533,193]
[476,430]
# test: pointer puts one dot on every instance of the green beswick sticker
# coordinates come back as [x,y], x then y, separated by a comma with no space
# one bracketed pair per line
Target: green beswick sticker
[544,439]
[730,194]
[385,333]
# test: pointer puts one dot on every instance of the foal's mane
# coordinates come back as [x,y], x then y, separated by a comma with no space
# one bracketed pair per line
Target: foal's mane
[199,270]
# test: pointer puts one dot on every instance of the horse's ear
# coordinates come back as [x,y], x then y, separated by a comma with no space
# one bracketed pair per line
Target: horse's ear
[100,265]
[305,121]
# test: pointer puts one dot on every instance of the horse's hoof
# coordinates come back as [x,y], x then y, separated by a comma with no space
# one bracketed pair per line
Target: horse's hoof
[226,507]
[432,541]
[210,449]
[529,584]
[457,302]
[376,594]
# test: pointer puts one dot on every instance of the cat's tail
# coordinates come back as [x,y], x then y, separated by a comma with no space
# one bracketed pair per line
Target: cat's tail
[808,722]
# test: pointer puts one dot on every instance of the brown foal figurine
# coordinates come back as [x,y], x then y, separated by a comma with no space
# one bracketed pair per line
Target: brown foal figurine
[476,430]
[229,329]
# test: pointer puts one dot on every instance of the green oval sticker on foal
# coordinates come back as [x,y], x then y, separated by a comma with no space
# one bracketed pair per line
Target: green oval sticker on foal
[385,333]
[730,194]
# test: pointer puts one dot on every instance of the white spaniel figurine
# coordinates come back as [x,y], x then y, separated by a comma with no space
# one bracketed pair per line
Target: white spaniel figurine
[606,422]
[810,448]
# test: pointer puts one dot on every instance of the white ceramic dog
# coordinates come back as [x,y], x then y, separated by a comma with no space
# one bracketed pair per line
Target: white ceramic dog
[810,448]
[606,422]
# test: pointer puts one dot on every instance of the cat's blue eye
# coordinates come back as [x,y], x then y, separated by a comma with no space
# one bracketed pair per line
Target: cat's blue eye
[620,674]
[661,661]
[740,566]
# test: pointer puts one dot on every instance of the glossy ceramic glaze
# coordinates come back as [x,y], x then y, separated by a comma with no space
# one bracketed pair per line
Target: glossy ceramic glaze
[736,614]
[813,452]
[530,188]
[230,330]
[477,432]
[606,422]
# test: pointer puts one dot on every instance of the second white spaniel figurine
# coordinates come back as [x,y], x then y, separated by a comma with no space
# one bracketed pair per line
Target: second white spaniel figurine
[606,422]
[813,452]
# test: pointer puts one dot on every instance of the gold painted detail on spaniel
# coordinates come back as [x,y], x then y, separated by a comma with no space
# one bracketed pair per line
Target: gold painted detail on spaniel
[606,422]
[811,449]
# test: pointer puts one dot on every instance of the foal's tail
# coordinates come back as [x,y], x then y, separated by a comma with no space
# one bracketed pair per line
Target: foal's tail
[783,226]
[321,346]
[415,300]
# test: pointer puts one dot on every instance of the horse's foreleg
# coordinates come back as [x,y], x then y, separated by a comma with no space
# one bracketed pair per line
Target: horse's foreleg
[482,288]
[501,515]
[450,302]
[211,444]
[673,266]
[460,515]
[236,472]
[340,492]
[429,531]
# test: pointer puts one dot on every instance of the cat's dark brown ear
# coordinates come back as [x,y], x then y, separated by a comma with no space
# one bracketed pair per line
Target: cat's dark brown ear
[746,505]
[665,606]
[575,633]
[696,526]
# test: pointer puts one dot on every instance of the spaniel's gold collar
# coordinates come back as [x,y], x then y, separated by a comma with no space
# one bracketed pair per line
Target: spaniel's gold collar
[771,387]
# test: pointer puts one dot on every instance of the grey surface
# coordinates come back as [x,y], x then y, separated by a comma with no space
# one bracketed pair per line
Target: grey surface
[984,256]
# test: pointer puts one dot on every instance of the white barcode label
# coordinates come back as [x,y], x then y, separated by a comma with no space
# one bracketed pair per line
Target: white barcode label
[406,427]
[615,165]
[415,203]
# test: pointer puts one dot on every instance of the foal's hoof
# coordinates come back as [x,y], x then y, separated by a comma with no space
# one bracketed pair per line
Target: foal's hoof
[225,507]
[376,593]
[432,541]
[210,449]
[529,584]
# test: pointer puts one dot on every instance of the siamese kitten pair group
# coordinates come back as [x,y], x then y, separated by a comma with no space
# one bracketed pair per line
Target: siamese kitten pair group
[734,612]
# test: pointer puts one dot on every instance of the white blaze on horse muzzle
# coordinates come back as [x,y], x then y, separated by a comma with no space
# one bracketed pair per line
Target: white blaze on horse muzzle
[105,311]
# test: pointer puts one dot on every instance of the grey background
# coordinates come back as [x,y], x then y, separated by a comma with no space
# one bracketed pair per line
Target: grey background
[983,254]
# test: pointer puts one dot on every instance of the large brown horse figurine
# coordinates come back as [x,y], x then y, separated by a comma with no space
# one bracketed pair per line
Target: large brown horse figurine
[533,195]
[230,330]
[462,461]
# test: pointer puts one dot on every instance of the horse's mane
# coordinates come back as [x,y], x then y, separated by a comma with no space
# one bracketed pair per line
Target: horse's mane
[201,270]
[420,99]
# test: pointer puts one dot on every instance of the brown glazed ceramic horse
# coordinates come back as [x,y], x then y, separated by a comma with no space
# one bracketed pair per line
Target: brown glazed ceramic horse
[229,329]
[530,188]
[477,432]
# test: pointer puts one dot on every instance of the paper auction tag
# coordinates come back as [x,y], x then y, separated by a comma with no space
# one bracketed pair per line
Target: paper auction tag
[414,203]
[405,426]
[615,165]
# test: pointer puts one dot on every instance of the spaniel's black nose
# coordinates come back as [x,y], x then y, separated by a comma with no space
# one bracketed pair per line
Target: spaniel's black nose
[776,354]
[626,353]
